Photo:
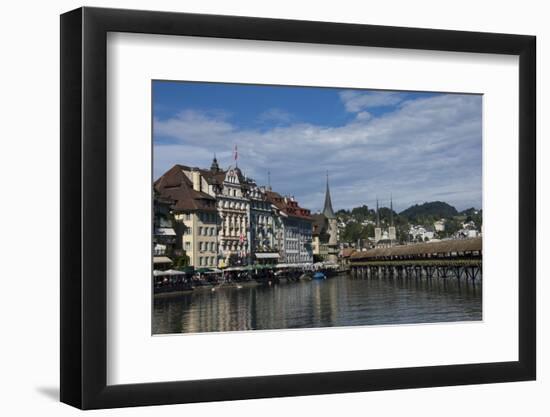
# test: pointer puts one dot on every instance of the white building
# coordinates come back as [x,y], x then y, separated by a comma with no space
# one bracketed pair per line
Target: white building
[420,233]
[439,225]
[233,219]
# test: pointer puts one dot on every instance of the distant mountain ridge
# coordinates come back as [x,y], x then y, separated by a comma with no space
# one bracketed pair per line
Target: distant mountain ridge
[434,209]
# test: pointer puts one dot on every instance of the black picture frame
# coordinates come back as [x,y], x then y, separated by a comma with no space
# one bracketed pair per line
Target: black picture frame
[84,207]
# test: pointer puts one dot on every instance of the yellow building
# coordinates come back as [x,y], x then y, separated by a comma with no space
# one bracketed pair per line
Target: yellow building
[195,215]
[198,237]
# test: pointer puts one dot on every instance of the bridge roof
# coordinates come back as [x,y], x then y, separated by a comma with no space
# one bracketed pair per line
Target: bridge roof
[446,246]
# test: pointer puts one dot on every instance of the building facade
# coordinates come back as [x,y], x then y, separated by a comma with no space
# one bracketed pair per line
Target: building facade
[293,231]
[164,235]
[224,218]
[195,215]
[385,237]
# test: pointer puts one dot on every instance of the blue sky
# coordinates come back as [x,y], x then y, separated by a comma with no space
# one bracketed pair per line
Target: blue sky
[416,146]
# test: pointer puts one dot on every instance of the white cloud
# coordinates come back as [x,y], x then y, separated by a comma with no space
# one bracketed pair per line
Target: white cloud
[356,101]
[275,115]
[426,149]
[364,116]
[193,124]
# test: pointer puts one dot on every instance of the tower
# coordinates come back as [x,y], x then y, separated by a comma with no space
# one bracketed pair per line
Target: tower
[377,229]
[215,167]
[328,212]
[391,230]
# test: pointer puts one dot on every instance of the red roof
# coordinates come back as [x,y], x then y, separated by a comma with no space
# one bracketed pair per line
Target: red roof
[288,205]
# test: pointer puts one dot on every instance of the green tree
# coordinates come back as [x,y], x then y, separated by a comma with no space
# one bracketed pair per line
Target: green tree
[369,230]
[353,231]
[452,226]
[181,261]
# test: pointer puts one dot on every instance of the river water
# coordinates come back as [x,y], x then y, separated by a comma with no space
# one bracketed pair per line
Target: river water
[339,301]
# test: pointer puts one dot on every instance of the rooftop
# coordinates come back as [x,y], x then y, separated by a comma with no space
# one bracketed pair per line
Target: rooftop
[288,205]
[446,246]
[175,185]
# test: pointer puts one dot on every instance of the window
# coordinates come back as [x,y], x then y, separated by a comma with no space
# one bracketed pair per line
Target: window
[200,246]
[187,246]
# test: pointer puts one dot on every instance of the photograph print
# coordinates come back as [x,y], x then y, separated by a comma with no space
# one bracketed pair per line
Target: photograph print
[295,207]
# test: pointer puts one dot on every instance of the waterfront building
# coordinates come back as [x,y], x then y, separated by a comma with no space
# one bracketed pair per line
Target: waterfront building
[225,218]
[233,207]
[294,229]
[264,223]
[195,215]
[164,235]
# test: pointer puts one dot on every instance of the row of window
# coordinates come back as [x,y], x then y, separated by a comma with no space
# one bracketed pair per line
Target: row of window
[237,205]
[207,246]
[260,205]
[294,258]
[207,261]
[295,233]
[208,217]
[232,192]
[263,219]
[233,247]
[207,231]
[203,217]
[235,220]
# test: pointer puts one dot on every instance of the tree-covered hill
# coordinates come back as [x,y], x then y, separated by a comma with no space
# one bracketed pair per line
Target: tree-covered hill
[359,222]
[429,211]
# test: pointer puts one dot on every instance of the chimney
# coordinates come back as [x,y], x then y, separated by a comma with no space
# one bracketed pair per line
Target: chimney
[196,180]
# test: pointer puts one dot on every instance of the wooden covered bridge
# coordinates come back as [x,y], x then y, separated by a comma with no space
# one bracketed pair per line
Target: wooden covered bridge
[445,259]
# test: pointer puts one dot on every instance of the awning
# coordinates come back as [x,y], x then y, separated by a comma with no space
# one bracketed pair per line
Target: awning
[167,273]
[165,231]
[161,260]
[267,255]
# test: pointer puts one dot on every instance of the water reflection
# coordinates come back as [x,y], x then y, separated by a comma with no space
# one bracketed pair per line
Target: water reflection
[338,301]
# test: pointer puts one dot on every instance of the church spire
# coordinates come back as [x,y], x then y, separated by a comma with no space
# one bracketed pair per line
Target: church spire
[214,167]
[377,214]
[391,210]
[327,210]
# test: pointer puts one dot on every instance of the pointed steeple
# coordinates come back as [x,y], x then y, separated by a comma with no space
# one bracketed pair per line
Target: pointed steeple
[214,167]
[391,210]
[377,214]
[327,210]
